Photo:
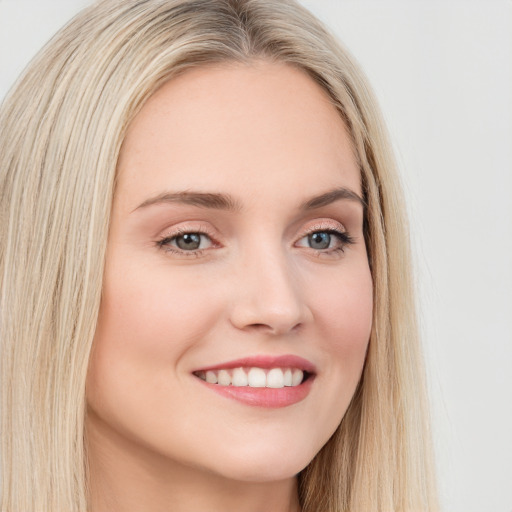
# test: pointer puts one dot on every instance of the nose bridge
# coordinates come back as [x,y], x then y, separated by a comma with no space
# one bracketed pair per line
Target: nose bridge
[269,293]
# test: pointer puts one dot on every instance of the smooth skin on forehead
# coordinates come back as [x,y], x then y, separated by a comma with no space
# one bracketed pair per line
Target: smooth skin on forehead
[255,163]
[219,121]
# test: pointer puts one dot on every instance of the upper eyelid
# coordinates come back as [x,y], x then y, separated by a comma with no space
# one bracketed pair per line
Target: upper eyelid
[180,230]
[324,225]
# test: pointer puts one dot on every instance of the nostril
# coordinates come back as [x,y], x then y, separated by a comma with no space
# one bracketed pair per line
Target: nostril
[274,327]
[259,326]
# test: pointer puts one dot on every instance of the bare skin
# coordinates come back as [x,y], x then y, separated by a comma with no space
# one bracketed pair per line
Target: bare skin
[236,232]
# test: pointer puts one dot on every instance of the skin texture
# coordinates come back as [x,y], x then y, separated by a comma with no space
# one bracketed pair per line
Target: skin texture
[158,438]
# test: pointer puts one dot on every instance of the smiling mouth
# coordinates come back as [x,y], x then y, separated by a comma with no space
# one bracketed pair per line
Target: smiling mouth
[265,381]
[255,377]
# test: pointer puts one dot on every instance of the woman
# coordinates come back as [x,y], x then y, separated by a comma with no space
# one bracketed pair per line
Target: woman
[206,300]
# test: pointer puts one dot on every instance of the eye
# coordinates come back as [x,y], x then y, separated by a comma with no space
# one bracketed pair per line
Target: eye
[326,240]
[186,242]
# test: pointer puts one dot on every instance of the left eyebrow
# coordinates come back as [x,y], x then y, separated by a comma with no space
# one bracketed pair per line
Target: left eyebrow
[337,194]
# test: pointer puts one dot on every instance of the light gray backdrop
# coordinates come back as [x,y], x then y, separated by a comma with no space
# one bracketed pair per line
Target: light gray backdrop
[443,73]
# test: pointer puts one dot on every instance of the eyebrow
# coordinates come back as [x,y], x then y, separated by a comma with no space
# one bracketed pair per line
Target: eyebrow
[218,201]
[337,194]
[201,199]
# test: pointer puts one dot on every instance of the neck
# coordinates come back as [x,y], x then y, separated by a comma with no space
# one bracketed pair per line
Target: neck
[126,476]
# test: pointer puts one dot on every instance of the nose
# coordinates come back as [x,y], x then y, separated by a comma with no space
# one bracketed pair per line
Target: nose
[268,296]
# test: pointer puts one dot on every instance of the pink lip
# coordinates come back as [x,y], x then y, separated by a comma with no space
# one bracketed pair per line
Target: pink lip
[265,397]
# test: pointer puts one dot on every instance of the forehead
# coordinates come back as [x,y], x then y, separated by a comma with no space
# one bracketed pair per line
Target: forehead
[252,129]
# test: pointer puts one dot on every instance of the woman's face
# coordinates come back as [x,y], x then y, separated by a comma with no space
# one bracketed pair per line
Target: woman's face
[236,254]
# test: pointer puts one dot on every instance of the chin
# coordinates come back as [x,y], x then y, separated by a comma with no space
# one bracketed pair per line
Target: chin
[265,464]
[264,472]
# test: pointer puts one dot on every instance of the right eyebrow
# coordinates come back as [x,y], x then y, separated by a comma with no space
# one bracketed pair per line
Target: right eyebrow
[200,199]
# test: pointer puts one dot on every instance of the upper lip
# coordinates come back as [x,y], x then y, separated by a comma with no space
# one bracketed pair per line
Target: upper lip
[265,361]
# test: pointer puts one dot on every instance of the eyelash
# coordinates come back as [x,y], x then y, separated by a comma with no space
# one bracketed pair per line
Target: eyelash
[164,243]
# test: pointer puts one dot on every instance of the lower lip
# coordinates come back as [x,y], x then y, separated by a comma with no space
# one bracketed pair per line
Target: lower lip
[271,398]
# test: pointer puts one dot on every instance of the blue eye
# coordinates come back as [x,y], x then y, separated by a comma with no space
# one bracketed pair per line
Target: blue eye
[326,240]
[319,240]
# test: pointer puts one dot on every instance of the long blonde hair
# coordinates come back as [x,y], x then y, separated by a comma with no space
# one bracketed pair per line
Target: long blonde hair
[62,127]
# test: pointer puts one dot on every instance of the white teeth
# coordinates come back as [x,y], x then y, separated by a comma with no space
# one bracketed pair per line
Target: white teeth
[275,378]
[287,377]
[240,377]
[257,378]
[297,377]
[254,377]
[211,377]
[224,378]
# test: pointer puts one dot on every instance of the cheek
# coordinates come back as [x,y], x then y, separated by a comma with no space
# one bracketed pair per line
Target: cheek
[344,316]
[151,311]
[145,327]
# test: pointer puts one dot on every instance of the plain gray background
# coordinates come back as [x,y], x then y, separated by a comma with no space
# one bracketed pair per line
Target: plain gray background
[442,71]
